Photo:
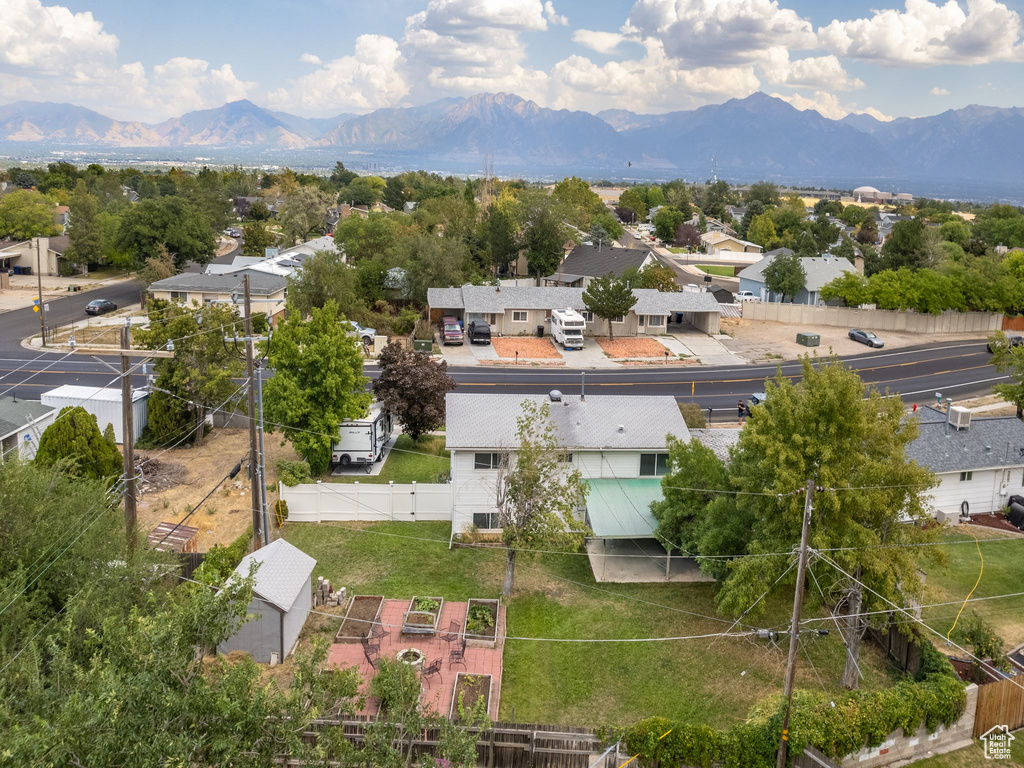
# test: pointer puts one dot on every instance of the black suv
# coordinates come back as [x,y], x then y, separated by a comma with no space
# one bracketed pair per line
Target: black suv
[479,332]
[1012,341]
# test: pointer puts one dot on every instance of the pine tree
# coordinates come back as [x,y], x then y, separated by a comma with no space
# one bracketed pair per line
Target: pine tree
[74,440]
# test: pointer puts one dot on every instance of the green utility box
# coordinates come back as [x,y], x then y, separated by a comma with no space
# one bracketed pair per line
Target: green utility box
[423,345]
[808,339]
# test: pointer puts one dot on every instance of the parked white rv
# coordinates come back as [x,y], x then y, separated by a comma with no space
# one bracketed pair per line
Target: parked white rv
[362,441]
[567,326]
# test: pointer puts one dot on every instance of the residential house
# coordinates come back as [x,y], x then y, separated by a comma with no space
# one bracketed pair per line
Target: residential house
[586,262]
[736,211]
[40,254]
[820,270]
[712,225]
[22,423]
[282,263]
[979,462]
[717,243]
[282,597]
[520,311]
[63,215]
[267,291]
[409,206]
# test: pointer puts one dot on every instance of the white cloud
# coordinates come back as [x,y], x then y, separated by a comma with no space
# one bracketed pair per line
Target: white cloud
[553,16]
[602,42]
[926,33]
[47,39]
[368,79]
[827,104]
[311,58]
[936,91]
[822,72]
[193,84]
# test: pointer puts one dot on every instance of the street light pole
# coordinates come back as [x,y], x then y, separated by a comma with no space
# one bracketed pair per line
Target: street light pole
[39,289]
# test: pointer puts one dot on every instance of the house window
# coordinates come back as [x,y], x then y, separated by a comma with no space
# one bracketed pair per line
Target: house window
[486,521]
[657,320]
[519,316]
[179,296]
[966,477]
[486,460]
[653,464]
[588,316]
[567,457]
[620,319]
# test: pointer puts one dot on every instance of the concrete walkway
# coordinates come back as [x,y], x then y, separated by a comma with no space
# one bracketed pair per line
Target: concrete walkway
[630,561]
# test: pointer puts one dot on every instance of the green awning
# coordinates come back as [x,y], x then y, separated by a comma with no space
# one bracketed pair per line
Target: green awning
[621,509]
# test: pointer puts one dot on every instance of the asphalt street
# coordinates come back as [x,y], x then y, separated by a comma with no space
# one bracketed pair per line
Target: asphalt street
[956,369]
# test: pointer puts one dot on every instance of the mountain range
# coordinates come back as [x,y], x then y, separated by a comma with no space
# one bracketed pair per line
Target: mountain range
[756,137]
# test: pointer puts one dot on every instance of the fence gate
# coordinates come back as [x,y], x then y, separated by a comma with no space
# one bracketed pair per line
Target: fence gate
[999,703]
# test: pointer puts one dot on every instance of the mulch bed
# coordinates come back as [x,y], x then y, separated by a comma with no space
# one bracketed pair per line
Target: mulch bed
[527,346]
[994,520]
[633,346]
[472,688]
[359,619]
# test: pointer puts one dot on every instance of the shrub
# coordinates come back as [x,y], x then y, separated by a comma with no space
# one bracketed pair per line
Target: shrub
[423,330]
[221,561]
[280,511]
[293,472]
[396,685]
[693,415]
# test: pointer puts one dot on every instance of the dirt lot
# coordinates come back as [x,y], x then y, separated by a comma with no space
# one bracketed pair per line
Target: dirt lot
[530,348]
[760,341]
[175,481]
[631,347]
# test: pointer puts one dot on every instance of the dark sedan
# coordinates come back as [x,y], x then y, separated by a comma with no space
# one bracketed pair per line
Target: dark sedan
[866,337]
[1011,341]
[99,307]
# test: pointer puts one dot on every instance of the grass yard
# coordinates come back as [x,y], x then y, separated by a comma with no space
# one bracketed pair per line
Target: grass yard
[713,269]
[408,461]
[701,680]
[973,756]
[953,576]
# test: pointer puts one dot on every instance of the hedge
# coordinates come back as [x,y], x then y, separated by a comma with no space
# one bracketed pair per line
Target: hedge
[836,727]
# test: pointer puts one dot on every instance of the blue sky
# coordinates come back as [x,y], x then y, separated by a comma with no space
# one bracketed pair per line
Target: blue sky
[142,59]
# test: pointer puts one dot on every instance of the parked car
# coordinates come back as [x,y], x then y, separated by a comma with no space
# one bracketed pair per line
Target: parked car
[1011,341]
[364,334]
[451,331]
[866,337]
[747,296]
[479,332]
[99,307]
[755,399]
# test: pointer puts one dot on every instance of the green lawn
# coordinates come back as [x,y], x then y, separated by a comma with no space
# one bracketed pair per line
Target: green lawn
[955,571]
[713,269]
[408,461]
[974,756]
[556,597]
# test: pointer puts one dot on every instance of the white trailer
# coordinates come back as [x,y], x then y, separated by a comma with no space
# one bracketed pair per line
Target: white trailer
[567,327]
[362,441]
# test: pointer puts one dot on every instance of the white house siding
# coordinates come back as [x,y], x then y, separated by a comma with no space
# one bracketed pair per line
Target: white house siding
[609,464]
[295,619]
[988,490]
[260,636]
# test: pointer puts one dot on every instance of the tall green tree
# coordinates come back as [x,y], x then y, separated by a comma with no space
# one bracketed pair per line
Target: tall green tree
[695,477]
[575,201]
[543,239]
[785,276]
[667,221]
[502,236]
[256,238]
[609,297]
[762,231]
[413,387]
[171,222]
[1009,361]
[905,246]
[537,493]
[432,262]
[304,212]
[318,382]
[85,234]
[324,277]
[74,442]
[25,213]
[754,209]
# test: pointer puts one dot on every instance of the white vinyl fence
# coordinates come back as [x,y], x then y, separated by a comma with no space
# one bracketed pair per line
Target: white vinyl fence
[409,502]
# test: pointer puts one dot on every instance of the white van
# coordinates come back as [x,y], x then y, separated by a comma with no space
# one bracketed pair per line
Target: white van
[567,327]
[361,441]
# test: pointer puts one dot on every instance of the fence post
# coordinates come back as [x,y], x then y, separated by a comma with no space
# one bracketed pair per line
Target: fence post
[490,756]
[355,490]
[391,499]
[319,500]
[414,501]
[533,747]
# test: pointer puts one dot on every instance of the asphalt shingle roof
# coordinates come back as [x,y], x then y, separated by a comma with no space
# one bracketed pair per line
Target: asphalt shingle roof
[595,261]
[16,414]
[819,270]
[718,440]
[987,443]
[489,421]
[259,284]
[282,574]
[487,298]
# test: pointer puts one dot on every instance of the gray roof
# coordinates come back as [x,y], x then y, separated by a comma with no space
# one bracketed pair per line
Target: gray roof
[260,283]
[988,442]
[282,573]
[488,298]
[489,421]
[820,270]
[17,414]
[595,261]
[718,440]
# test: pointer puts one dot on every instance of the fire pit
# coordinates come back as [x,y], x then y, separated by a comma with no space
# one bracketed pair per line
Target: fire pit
[412,656]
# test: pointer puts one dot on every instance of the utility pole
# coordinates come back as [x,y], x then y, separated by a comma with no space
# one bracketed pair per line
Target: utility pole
[794,630]
[128,437]
[254,453]
[263,456]
[39,289]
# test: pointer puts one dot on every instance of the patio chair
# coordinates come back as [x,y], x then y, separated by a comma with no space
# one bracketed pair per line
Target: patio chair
[378,632]
[453,633]
[457,656]
[433,668]
[372,653]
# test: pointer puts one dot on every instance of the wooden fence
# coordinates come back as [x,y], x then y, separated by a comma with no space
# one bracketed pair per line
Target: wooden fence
[902,650]
[1013,323]
[999,703]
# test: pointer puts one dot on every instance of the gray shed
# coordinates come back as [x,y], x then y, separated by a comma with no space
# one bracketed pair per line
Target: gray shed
[281,600]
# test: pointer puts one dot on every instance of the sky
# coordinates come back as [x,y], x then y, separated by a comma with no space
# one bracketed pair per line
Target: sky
[151,59]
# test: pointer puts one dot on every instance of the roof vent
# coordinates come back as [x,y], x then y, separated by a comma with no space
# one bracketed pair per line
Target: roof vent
[622,428]
[959,417]
[555,396]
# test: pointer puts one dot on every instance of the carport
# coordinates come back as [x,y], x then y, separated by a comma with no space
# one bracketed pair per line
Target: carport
[700,310]
[624,546]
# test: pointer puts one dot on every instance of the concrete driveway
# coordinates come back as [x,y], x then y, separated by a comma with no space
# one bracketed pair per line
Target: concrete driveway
[708,350]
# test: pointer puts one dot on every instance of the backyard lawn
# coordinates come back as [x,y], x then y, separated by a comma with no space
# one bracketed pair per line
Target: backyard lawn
[713,269]
[714,681]
[408,461]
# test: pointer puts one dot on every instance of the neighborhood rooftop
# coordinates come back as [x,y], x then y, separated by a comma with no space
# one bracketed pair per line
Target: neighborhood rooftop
[489,298]
[282,574]
[612,422]
[259,284]
[820,270]
[986,443]
[595,261]
[17,414]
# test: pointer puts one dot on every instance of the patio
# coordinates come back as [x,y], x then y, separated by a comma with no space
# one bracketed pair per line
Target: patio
[437,693]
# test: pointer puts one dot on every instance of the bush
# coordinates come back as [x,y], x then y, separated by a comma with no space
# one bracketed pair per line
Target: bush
[293,472]
[423,330]
[280,511]
[396,686]
[693,415]
[220,562]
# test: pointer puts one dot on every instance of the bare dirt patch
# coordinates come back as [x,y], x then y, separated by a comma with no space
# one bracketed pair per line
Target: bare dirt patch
[639,346]
[528,348]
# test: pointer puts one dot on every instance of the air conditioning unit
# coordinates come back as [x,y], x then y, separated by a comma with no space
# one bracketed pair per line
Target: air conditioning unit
[960,417]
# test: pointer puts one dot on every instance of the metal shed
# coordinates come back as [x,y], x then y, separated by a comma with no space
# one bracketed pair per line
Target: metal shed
[103,403]
[281,600]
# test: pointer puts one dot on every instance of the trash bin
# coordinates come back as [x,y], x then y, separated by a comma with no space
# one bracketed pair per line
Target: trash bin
[540,331]
[808,339]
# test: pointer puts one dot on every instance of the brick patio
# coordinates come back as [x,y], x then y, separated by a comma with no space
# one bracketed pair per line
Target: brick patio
[439,694]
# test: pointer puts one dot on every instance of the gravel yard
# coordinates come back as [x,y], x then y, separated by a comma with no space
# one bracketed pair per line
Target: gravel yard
[632,346]
[529,348]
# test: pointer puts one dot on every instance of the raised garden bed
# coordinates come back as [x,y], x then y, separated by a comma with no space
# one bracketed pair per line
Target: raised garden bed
[469,689]
[482,623]
[423,616]
[363,612]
